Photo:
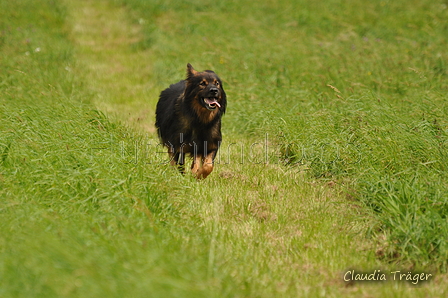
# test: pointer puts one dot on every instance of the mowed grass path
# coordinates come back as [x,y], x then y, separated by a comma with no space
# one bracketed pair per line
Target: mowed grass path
[83,216]
[237,203]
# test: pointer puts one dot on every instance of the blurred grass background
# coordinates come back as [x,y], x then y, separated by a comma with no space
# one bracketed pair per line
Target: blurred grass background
[351,97]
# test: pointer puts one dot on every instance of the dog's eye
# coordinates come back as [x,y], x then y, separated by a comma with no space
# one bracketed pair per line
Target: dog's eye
[217,84]
[202,84]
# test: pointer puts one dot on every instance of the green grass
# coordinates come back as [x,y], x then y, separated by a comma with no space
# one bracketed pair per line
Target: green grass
[349,99]
[352,92]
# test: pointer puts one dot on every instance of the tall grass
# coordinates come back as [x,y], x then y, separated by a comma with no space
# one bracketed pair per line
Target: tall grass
[75,215]
[86,212]
[353,92]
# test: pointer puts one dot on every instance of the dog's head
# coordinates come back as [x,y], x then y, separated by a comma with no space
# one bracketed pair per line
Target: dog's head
[206,89]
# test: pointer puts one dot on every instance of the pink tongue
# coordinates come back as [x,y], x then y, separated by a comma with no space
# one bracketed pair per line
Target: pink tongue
[213,101]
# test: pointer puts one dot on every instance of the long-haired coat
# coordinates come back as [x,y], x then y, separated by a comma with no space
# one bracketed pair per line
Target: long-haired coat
[188,120]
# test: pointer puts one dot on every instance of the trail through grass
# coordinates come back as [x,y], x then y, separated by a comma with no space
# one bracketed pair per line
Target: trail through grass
[117,73]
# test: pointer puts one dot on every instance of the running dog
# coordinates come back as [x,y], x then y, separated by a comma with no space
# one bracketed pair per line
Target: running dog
[188,120]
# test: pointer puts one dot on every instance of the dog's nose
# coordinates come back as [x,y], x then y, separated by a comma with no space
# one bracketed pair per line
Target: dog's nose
[214,91]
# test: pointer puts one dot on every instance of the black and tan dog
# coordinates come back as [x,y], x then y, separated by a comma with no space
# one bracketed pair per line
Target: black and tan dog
[188,120]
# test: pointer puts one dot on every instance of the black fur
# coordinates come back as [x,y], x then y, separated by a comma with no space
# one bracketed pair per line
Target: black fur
[188,119]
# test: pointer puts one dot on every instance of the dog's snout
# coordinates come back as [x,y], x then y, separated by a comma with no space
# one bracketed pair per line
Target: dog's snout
[214,90]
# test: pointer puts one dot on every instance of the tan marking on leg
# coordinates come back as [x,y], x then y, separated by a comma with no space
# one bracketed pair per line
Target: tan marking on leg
[195,166]
[207,166]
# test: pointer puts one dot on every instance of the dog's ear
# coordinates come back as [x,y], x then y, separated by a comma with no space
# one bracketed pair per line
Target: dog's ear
[191,72]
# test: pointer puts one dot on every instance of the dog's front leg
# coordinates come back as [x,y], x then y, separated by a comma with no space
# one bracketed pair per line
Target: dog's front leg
[207,165]
[196,165]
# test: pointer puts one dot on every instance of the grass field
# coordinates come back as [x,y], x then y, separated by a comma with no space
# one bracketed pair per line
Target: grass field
[334,155]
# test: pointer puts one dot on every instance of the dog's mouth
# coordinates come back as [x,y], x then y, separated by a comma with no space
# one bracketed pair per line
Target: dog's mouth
[211,103]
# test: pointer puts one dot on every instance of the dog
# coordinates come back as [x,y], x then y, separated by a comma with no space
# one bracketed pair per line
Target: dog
[188,120]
